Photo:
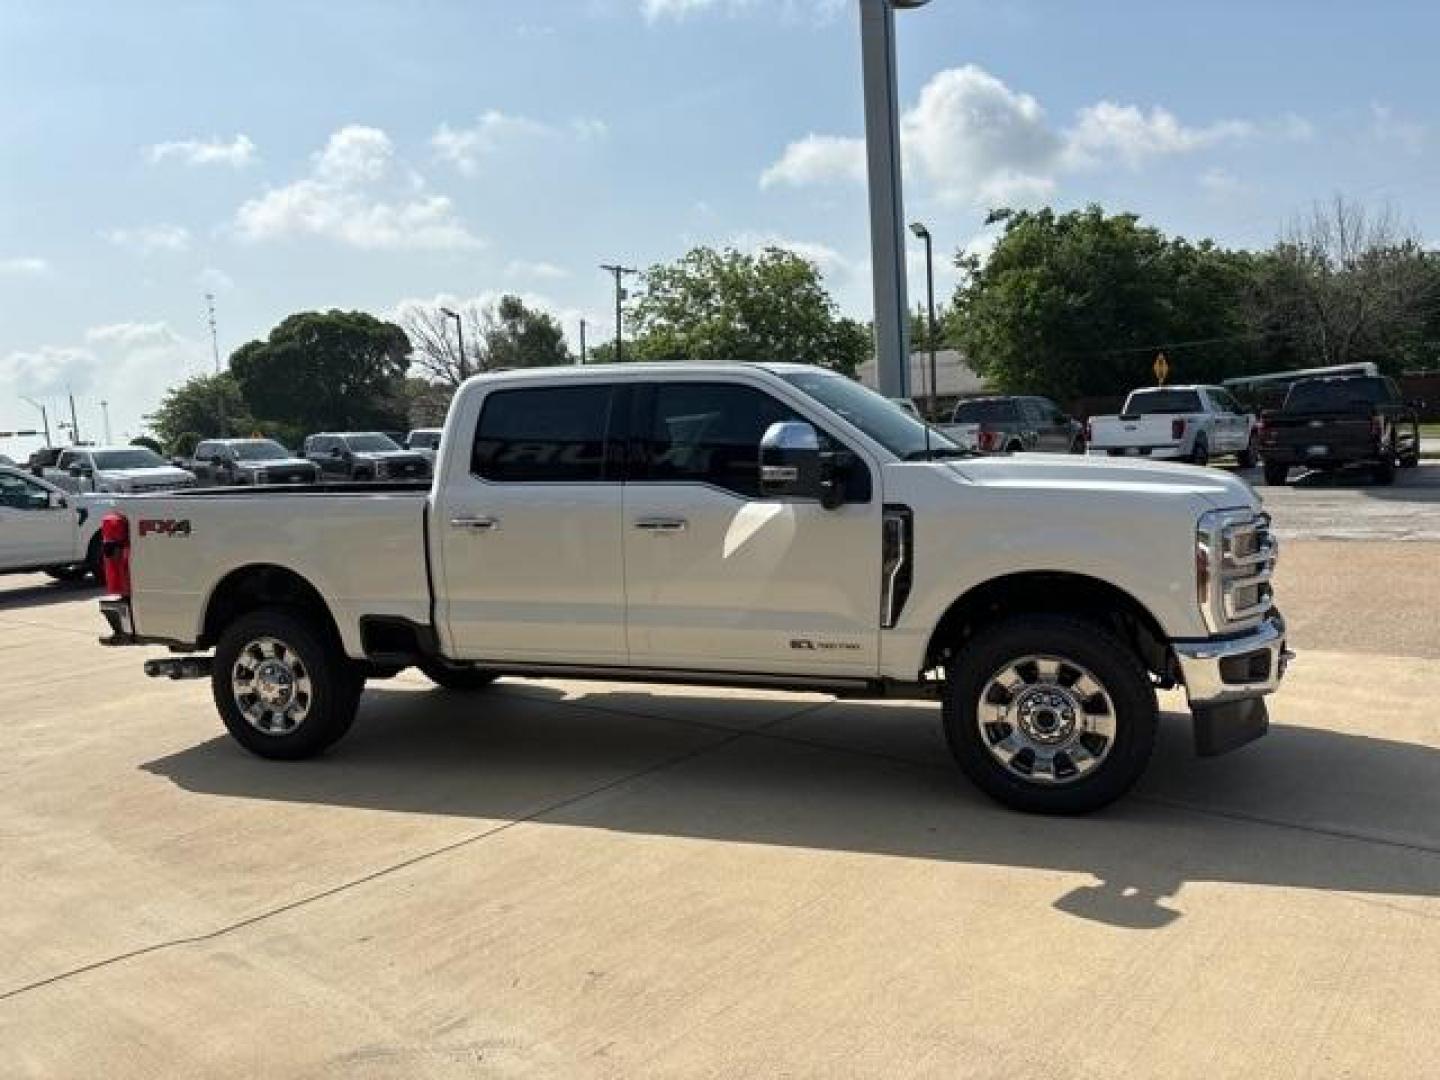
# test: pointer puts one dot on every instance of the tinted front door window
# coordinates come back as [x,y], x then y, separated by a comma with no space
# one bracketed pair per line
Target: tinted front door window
[547,435]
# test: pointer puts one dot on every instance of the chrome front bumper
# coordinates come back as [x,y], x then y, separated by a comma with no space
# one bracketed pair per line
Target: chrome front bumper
[1233,669]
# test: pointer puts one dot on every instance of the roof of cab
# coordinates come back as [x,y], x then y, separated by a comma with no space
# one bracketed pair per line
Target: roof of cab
[645,368]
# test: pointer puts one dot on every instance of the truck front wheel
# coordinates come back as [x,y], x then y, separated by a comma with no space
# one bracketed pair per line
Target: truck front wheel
[1049,714]
[283,689]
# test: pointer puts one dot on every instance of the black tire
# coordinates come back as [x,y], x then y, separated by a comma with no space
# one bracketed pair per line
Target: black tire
[1078,446]
[334,684]
[95,559]
[1248,457]
[1410,461]
[456,678]
[1200,452]
[1013,448]
[1131,708]
[68,574]
[1383,471]
[1276,474]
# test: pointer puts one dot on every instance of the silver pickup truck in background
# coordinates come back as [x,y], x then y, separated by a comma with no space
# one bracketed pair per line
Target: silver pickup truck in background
[1184,423]
[744,525]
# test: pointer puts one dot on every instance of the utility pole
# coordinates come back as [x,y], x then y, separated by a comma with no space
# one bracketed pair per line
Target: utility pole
[582,341]
[887,215]
[105,415]
[464,369]
[619,272]
[215,351]
[44,417]
[74,422]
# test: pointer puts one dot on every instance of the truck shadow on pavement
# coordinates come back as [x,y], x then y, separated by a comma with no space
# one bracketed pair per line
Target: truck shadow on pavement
[29,597]
[1304,808]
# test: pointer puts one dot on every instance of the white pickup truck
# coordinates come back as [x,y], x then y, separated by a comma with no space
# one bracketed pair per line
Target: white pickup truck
[1186,423]
[45,528]
[740,525]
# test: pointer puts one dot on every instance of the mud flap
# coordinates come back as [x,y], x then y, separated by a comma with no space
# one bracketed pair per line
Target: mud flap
[1229,725]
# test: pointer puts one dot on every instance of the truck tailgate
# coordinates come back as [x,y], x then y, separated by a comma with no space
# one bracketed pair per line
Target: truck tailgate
[365,553]
[1107,432]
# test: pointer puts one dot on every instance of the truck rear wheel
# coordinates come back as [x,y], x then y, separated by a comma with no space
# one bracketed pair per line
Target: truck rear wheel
[1383,471]
[1276,474]
[284,690]
[1049,714]
[1248,457]
[1200,452]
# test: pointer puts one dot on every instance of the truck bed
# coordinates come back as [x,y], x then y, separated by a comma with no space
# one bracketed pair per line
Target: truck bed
[183,545]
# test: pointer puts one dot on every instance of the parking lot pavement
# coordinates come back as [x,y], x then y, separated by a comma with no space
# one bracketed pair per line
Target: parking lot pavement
[570,879]
[1348,505]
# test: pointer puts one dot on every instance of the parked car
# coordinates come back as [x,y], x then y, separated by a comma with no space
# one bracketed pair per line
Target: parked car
[1010,424]
[46,457]
[1185,423]
[364,455]
[45,528]
[116,470]
[424,441]
[770,525]
[1349,420]
[226,462]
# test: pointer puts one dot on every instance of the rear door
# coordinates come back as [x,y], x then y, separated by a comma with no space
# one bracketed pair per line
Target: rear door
[1053,426]
[720,578]
[32,532]
[528,529]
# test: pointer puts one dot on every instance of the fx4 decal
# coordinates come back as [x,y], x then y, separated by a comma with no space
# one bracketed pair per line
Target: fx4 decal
[166,527]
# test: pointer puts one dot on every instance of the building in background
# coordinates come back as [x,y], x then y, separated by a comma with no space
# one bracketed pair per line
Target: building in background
[951,372]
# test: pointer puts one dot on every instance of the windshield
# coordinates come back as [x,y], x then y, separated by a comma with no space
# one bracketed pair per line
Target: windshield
[259,450]
[985,410]
[371,443]
[878,417]
[138,458]
[424,440]
[1337,395]
[1149,402]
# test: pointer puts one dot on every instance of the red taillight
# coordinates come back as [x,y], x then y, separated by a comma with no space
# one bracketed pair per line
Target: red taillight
[1177,429]
[115,547]
[990,440]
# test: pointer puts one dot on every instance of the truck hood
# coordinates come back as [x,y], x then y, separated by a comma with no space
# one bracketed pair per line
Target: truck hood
[274,463]
[1067,473]
[388,455]
[160,474]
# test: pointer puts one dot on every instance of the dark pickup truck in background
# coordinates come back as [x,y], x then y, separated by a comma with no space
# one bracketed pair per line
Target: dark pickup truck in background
[1334,422]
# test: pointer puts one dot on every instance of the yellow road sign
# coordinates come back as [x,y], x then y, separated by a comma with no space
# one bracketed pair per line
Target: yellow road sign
[1161,369]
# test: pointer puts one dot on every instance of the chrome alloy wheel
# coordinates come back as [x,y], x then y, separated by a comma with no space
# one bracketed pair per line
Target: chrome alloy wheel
[271,686]
[1046,720]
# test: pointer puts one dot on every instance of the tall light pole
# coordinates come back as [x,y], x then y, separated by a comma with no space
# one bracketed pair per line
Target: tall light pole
[619,272]
[44,417]
[582,341]
[924,234]
[215,351]
[887,213]
[460,334]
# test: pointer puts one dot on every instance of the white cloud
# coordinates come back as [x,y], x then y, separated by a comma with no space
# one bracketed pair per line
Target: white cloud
[150,239]
[656,10]
[817,159]
[343,199]
[1107,131]
[213,279]
[831,262]
[969,138]
[1221,183]
[1388,127]
[545,271]
[24,266]
[467,147]
[237,153]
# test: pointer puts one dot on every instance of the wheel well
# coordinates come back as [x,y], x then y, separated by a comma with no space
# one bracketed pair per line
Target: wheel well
[262,586]
[1051,592]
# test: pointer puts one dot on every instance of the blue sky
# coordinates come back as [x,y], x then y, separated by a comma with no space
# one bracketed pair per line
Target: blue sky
[295,155]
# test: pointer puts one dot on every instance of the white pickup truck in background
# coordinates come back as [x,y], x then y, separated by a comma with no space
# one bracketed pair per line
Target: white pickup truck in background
[748,525]
[1184,423]
[45,528]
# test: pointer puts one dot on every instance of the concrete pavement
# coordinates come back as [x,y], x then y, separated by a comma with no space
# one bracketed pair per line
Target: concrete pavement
[568,879]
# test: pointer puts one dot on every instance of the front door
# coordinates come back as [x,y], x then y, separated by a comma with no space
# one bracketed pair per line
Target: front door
[719,578]
[32,532]
[529,534]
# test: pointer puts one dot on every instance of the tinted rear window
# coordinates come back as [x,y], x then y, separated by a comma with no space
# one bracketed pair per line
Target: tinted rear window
[1150,402]
[1337,395]
[548,435]
[981,412]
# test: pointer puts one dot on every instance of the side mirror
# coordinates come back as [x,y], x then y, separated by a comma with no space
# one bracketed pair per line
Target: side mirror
[790,465]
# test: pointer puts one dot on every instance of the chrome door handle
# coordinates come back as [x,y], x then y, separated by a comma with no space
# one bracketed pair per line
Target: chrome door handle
[475,524]
[662,525]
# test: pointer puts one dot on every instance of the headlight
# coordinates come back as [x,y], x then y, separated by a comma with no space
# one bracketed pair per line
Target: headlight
[1234,560]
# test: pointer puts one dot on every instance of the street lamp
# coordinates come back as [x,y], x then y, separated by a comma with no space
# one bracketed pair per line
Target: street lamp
[924,234]
[44,416]
[887,213]
[460,334]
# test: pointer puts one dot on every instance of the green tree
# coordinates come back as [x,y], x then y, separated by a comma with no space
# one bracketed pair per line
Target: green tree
[728,305]
[325,370]
[198,404]
[517,336]
[1079,303]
